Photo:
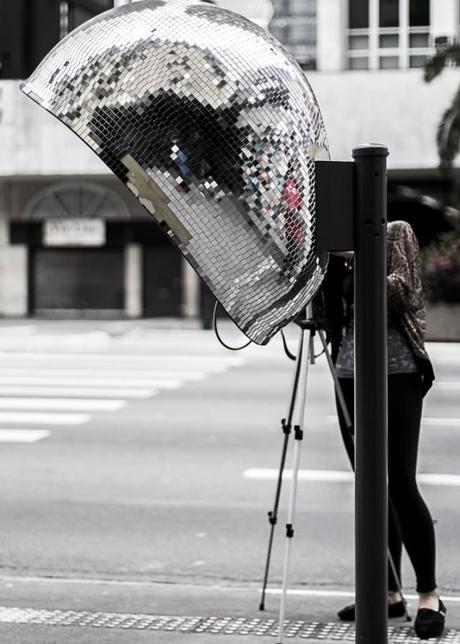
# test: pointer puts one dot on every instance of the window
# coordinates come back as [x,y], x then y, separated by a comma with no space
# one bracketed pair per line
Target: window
[302,7]
[301,31]
[294,24]
[76,12]
[389,13]
[358,17]
[388,34]
[30,29]
[419,13]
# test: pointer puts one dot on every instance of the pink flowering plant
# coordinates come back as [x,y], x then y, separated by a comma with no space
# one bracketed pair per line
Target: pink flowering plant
[442,269]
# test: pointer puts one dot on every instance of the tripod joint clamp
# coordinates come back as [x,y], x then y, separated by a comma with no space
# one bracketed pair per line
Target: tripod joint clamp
[272,518]
[309,325]
[298,433]
[285,426]
[289,530]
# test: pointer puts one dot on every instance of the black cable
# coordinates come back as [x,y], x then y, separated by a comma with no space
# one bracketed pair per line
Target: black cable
[290,355]
[214,323]
[318,355]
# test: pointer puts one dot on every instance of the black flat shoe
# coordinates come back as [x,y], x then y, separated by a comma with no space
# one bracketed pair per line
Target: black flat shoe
[430,623]
[348,614]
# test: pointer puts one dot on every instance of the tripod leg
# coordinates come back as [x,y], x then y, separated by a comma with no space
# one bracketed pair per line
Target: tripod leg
[349,425]
[298,435]
[286,425]
[343,404]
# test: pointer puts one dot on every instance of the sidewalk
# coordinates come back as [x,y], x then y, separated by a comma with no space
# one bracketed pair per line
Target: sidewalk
[115,612]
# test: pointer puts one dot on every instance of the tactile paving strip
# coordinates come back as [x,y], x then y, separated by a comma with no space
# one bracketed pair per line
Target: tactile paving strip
[214,625]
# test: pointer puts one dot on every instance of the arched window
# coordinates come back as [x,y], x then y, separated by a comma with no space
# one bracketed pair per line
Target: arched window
[76,199]
[388,34]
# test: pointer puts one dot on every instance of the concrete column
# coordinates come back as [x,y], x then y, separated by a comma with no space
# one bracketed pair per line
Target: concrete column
[404,34]
[13,281]
[191,291]
[331,35]
[13,265]
[373,34]
[133,280]
[444,18]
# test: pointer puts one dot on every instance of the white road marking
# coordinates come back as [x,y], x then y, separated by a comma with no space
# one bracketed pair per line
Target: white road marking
[447,385]
[78,392]
[316,476]
[211,363]
[14,331]
[441,422]
[127,378]
[41,341]
[341,476]
[42,418]
[88,382]
[312,592]
[448,480]
[131,583]
[23,435]
[427,421]
[87,404]
[307,592]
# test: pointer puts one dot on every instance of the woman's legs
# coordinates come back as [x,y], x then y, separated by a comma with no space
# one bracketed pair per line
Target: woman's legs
[394,533]
[404,416]
[408,514]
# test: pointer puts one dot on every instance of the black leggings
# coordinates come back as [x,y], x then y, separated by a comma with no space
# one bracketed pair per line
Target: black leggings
[409,520]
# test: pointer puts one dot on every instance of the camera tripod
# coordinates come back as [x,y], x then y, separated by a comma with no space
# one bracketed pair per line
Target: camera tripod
[305,356]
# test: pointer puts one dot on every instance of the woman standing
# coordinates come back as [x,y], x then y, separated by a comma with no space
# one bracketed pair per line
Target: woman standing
[410,375]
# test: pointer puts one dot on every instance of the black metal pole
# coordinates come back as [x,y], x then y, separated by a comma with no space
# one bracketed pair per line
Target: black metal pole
[371,491]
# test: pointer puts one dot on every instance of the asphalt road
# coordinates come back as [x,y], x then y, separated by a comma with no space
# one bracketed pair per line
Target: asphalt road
[132,456]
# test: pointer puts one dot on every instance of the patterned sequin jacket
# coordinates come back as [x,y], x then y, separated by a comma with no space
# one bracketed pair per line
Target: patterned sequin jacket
[404,284]
[404,293]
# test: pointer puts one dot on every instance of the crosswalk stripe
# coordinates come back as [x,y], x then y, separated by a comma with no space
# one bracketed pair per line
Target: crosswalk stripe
[211,362]
[15,331]
[84,404]
[77,392]
[439,422]
[447,385]
[42,418]
[427,421]
[137,378]
[166,383]
[341,476]
[316,476]
[23,435]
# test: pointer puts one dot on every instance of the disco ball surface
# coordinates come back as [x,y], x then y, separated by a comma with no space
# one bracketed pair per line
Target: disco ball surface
[215,129]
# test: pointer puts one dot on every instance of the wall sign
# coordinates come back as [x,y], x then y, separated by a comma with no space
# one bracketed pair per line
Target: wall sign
[74,232]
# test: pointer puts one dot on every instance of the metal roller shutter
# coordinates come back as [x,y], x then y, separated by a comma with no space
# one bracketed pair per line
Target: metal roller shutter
[75,279]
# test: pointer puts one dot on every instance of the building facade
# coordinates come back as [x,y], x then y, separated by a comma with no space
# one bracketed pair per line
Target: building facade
[370,86]
[74,242]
